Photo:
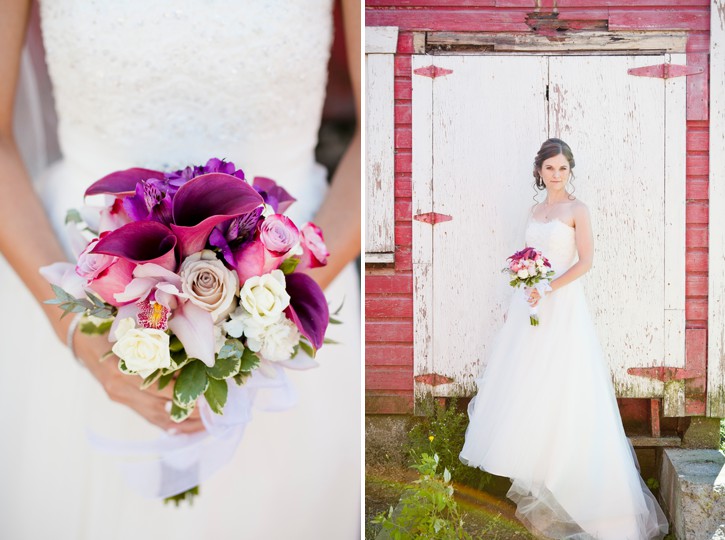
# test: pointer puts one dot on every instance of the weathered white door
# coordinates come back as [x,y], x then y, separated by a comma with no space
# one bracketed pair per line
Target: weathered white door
[477,123]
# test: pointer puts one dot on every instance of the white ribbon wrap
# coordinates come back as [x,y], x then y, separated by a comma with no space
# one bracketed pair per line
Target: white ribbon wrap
[542,287]
[173,464]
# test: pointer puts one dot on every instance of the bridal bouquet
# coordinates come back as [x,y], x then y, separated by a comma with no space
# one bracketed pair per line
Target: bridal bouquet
[195,275]
[530,268]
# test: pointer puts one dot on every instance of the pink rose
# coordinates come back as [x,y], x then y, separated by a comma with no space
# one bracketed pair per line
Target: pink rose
[314,251]
[90,265]
[278,234]
[253,259]
[112,280]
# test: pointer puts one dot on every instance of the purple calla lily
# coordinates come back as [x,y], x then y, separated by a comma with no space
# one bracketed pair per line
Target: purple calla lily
[308,307]
[206,201]
[122,183]
[274,195]
[141,242]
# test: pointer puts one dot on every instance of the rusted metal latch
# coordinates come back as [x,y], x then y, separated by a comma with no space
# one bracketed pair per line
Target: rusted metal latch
[666,373]
[665,71]
[433,379]
[432,71]
[432,217]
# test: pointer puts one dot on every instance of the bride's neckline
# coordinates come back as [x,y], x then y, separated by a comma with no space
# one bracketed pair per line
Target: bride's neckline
[552,220]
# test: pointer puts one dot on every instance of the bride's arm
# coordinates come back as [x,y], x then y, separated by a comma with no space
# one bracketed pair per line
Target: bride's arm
[584,247]
[339,215]
[28,242]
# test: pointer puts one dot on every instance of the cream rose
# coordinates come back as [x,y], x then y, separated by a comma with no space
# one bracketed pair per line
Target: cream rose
[144,350]
[209,284]
[523,274]
[265,297]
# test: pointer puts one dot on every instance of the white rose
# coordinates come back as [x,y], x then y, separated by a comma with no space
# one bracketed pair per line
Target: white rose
[144,350]
[523,273]
[540,262]
[264,297]
[209,284]
[275,342]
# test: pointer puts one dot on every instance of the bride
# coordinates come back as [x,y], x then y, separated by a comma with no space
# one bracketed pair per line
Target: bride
[162,85]
[545,414]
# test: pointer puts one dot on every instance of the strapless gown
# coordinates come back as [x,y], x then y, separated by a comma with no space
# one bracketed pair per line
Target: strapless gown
[162,85]
[546,417]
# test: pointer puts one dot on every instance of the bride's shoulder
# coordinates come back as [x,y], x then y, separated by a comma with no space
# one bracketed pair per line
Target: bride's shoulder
[580,211]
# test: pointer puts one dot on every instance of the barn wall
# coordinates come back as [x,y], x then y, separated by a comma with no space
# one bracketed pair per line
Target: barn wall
[389,289]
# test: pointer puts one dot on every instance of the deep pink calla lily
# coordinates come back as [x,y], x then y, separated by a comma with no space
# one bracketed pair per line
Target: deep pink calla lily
[308,307]
[122,183]
[141,242]
[206,201]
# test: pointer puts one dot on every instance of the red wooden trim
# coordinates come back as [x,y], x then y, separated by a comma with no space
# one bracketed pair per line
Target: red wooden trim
[403,234]
[659,19]
[697,140]
[389,378]
[389,355]
[433,379]
[467,20]
[388,307]
[696,260]
[398,283]
[697,212]
[696,286]
[696,359]
[403,161]
[403,186]
[666,373]
[697,87]
[393,331]
[697,188]
[432,3]
[696,309]
[654,408]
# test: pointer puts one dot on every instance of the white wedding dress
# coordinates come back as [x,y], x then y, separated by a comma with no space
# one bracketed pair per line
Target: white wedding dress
[546,417]
[162,85]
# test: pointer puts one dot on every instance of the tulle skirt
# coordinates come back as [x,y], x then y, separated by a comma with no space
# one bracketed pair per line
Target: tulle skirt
[546,417]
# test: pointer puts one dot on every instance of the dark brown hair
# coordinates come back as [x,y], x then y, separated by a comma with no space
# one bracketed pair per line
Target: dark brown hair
[550,148]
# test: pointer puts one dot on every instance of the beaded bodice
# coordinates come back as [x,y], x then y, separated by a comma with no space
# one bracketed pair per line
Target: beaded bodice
[166,83]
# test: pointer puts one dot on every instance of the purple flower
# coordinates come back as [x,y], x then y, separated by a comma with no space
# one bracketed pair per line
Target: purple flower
[149,203]
[273,195]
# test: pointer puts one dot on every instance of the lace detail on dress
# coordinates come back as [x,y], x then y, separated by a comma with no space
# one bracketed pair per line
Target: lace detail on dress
[113,85]
[555,239]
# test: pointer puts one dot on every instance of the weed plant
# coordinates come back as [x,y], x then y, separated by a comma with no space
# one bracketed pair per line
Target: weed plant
[442,431]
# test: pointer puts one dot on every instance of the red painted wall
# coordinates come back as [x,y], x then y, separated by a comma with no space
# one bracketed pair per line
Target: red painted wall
[388,291]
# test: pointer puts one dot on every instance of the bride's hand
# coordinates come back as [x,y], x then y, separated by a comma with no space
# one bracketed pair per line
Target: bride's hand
[150,403]
[533,296]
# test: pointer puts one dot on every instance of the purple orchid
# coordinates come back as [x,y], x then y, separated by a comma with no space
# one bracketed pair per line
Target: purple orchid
[308,308]
[149,203]
[228,235]
[273,195]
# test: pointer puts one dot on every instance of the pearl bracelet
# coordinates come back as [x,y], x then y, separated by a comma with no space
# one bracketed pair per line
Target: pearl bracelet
[71,333]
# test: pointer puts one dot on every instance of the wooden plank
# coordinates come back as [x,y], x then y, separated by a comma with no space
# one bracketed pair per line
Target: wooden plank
[675,240]
[616,127]
[650,19]
[644,442]
[379,155]
[432,3]
[381,39]
[422,253]
[697,87]
[488,123]
[716,300]
[419,42]
[567,41]
[449,20]
[379,258]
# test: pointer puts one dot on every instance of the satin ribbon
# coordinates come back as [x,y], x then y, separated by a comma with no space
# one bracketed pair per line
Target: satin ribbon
[173,464]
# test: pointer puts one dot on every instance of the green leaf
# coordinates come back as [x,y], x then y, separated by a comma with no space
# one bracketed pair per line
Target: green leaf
[88,327]
[337,311]
[179,414]
[192,383]
[224,367]
[288,265]
[216,395]
[179,359]
[123,369]
[175,344]
[151,379]
[233,348]
[73,216]
[250,360]
[307,348]
[241,377]
[330,341]
[335,321]
[164,380]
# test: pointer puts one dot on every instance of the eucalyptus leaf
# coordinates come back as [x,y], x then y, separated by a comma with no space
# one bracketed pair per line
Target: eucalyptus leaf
[216,395]
[232,348]
[73,216]
[88,327]
[307,348]
[192,383]
[224,367]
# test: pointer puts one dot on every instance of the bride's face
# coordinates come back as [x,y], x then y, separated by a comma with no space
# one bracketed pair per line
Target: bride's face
[555,172]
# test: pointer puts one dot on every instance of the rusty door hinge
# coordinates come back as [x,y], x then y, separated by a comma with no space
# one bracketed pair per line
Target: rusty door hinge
[666,373]
[665,71]
[432,71]
[432,217]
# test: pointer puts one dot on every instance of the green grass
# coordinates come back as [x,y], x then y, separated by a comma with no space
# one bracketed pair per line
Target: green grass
[722,435]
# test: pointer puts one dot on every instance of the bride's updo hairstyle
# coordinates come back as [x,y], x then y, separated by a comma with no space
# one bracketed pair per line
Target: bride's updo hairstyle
[550,148]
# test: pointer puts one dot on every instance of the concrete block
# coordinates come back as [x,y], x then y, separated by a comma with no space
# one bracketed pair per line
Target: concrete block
[692,488]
